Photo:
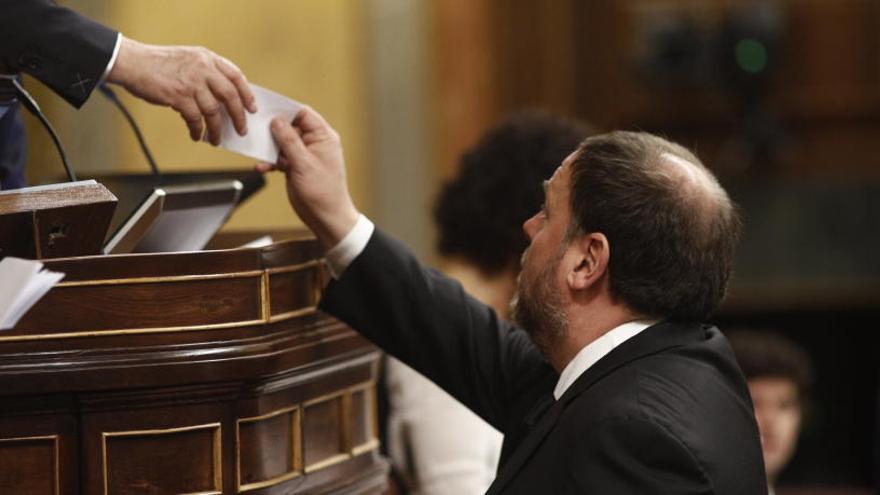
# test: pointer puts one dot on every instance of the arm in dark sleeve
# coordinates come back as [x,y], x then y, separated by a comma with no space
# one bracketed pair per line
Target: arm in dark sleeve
[427,321]
[62,49]
[629,455]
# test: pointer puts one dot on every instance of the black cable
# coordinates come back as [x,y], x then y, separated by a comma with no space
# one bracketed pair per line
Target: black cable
[28,102]
[111,95]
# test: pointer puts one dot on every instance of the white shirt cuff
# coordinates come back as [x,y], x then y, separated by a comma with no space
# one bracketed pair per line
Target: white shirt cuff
[342,254]
[112,61]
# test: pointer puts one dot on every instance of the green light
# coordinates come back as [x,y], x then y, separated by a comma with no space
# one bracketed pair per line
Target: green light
[751,55]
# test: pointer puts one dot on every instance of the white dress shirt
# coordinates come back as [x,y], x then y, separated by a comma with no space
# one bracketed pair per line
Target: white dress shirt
[112,61]
[596,350]
[342,254]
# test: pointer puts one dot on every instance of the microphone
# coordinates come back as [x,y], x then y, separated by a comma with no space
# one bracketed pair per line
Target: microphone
[11,85]
[111,95]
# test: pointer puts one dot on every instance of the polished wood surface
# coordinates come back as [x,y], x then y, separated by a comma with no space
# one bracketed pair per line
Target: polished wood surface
[68,219]
[207,372]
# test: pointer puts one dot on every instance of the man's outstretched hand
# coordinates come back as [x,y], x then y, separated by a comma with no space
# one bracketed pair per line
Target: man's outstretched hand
[194,81]
[311,159]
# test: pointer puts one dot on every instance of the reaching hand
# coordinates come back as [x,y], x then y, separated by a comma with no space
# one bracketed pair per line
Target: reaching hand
[192,80]
[311,158]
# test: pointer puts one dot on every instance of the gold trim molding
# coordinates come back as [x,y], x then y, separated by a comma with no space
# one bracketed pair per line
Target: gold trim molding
[294,268]
[325,463]
[130,331]
[292,314]
[155,280]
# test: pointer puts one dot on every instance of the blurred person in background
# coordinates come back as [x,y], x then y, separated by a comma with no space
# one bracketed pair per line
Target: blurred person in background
[779,374]
[437,445]
[72,55]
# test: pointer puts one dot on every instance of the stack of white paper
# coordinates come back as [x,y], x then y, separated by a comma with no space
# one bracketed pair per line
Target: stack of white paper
[22,284]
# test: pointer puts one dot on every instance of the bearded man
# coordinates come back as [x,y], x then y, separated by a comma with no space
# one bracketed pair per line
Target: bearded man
[615,386]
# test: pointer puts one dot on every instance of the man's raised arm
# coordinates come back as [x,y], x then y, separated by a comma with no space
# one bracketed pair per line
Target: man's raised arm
[413,312]
[312,160]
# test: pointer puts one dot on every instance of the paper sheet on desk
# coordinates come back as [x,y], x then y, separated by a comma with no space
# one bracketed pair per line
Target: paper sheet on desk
[259,143]
[22,284]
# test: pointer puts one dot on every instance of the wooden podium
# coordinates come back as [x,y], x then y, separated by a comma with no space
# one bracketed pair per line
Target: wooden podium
[207,372]
[66,219]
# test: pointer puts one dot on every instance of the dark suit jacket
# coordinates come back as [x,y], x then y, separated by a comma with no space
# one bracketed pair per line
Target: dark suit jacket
[64,50]
[666,412]
[12,149]
[61,48]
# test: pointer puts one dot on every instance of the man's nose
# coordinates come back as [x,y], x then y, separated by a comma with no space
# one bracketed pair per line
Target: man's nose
[529,226]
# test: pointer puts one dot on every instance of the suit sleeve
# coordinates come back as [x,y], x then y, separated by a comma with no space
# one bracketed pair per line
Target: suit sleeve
[427,321]
[628,455]
[62,49]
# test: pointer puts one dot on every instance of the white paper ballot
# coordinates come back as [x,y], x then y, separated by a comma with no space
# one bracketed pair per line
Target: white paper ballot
[258,143]
[22,284]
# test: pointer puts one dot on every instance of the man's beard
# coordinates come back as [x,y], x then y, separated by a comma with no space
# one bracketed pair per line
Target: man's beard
[537,307]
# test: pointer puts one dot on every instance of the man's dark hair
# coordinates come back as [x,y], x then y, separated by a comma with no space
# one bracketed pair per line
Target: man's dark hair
[769,355]
[671,228]
[480,212]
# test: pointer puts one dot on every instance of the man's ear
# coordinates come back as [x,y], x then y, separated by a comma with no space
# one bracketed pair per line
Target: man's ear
[589,255]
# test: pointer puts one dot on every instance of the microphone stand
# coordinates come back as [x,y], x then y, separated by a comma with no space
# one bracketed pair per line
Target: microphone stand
[28,102]
[111,95]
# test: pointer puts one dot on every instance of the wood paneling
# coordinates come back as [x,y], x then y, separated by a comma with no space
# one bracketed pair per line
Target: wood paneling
[269,449]
[135,304]
[38,451]
[325,439]
[465,77]
[169,461]
[29,465]
[363,412]
[289,289]
[218,410]
[819,104]
[494,57]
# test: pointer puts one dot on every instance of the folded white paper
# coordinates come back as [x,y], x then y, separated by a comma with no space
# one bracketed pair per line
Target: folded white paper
[22,284]
[258,142]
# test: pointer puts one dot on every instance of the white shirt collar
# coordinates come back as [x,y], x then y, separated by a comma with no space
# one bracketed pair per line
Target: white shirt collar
[596,350]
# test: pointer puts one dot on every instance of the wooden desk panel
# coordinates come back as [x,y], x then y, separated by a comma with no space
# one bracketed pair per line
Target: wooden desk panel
[218,378]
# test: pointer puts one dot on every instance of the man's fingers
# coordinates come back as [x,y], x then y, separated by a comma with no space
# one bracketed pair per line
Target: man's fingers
[288,138]
[224,91]
[308,121]
[282,165]
[210,108]
[238,79]
[264,167]
[191,114]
